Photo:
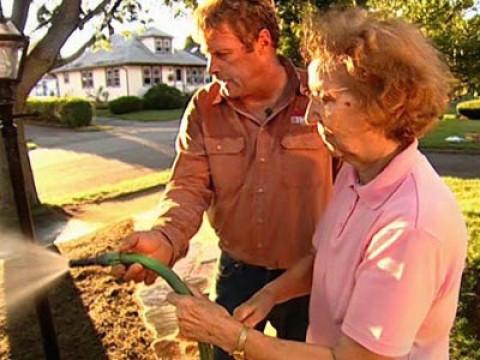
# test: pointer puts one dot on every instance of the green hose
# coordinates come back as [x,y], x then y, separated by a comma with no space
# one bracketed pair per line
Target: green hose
[116,258]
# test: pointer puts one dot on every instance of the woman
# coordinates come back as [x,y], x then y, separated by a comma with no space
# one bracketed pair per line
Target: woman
[386,270]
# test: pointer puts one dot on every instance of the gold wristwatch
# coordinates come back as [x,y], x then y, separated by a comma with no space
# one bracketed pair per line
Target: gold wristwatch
[239,352]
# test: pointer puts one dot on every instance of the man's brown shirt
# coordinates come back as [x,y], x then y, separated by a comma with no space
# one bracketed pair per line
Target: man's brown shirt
[264,183]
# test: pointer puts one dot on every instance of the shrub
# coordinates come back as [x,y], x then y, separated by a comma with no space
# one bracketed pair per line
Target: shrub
[76,113]
[161,96]
[469,109]
[72,112]
[125,104]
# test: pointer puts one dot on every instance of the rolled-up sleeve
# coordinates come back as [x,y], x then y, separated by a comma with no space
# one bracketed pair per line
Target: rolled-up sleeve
[188,193]
[396,285]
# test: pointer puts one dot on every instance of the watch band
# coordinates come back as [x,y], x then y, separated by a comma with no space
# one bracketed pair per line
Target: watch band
[239,351]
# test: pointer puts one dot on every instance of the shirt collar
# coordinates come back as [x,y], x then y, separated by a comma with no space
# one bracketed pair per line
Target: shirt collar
[380,189]
[293,85]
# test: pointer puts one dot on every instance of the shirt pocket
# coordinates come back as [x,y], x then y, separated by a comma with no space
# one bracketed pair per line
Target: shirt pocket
[227,162]
[304,159]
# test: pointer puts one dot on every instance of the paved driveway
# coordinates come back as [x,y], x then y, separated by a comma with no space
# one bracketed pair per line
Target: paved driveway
[72,161]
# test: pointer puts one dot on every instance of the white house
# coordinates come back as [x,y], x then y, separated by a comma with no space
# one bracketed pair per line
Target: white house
[47,86]
[131,67]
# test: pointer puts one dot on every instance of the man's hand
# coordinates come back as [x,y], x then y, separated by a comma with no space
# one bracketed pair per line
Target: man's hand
[150,243]
[256,308]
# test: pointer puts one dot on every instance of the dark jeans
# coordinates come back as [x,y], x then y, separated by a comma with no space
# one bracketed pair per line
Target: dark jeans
[237,282]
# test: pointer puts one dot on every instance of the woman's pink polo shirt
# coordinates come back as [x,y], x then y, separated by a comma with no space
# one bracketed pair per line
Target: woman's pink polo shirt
[389,261]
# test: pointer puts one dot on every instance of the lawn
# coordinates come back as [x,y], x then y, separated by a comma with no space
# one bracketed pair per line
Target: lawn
[145,115]
[452,126]
[108,192]
[465,342]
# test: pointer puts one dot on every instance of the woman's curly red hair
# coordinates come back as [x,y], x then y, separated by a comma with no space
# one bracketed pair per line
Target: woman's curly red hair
[396,72]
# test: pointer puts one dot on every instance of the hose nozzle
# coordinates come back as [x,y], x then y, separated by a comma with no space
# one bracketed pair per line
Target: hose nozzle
[105,259]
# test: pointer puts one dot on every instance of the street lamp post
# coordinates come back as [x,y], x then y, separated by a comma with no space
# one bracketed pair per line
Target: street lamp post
[13,48]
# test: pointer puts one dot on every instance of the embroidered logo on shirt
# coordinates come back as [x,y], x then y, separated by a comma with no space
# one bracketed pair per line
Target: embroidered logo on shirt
[299,120]
[298,115]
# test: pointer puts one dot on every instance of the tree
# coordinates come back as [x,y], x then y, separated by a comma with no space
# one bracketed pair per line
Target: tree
[454,27]
[290,14]
[59,21]
[189,43]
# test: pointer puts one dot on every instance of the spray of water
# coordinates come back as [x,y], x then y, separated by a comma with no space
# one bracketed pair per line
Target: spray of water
[27,268]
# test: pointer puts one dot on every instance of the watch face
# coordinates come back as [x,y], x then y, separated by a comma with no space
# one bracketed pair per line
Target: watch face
[238,355]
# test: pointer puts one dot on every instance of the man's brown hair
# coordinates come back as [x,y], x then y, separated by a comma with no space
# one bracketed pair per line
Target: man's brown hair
[246,18]
[388,64]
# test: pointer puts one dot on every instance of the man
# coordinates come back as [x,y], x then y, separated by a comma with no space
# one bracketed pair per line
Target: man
[247,158]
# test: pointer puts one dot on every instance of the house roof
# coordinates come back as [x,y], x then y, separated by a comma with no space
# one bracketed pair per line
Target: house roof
[130,50]
[154,32]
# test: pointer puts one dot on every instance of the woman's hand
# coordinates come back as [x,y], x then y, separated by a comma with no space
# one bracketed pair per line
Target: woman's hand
[202,320]
[256,308]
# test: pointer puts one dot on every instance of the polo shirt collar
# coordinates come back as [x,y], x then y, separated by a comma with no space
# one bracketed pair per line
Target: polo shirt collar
[380,189]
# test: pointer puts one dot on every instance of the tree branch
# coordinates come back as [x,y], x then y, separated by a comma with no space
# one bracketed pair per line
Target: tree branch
[76,54]
[91,14]
[20,13]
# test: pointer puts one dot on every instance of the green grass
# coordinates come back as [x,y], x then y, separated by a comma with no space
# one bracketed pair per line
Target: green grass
[108,192]
[94,128]
[452,126]
[144,115]
[465,340]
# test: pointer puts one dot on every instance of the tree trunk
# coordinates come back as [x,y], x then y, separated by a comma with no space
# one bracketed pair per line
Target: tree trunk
[39,62]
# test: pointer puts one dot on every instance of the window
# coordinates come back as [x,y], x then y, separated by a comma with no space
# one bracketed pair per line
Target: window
[158,45]
[194,76]
[66,79]
[147,76]
[113,77]
[166,45]
[162,45]
[87,79]
[156,74]
[179,74]
[152,75]
[189,76]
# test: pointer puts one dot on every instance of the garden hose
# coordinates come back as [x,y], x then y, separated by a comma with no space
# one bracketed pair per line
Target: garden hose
[117,258]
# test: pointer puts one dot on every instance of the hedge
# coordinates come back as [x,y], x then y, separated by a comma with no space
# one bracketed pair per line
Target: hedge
[163,97]
[125,104]
[469,109]
[67,111]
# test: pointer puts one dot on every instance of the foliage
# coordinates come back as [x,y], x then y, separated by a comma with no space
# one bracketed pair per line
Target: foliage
[125,104]
[162,97]
[71,112]
[144,115]
[454,27]
[76,113]
[290,14]
[465,339]
[99,98]
[469,109]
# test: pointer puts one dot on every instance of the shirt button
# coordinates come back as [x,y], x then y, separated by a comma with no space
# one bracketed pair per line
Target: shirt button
[260,190]
[262,159]
[260,220]
[219,147]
